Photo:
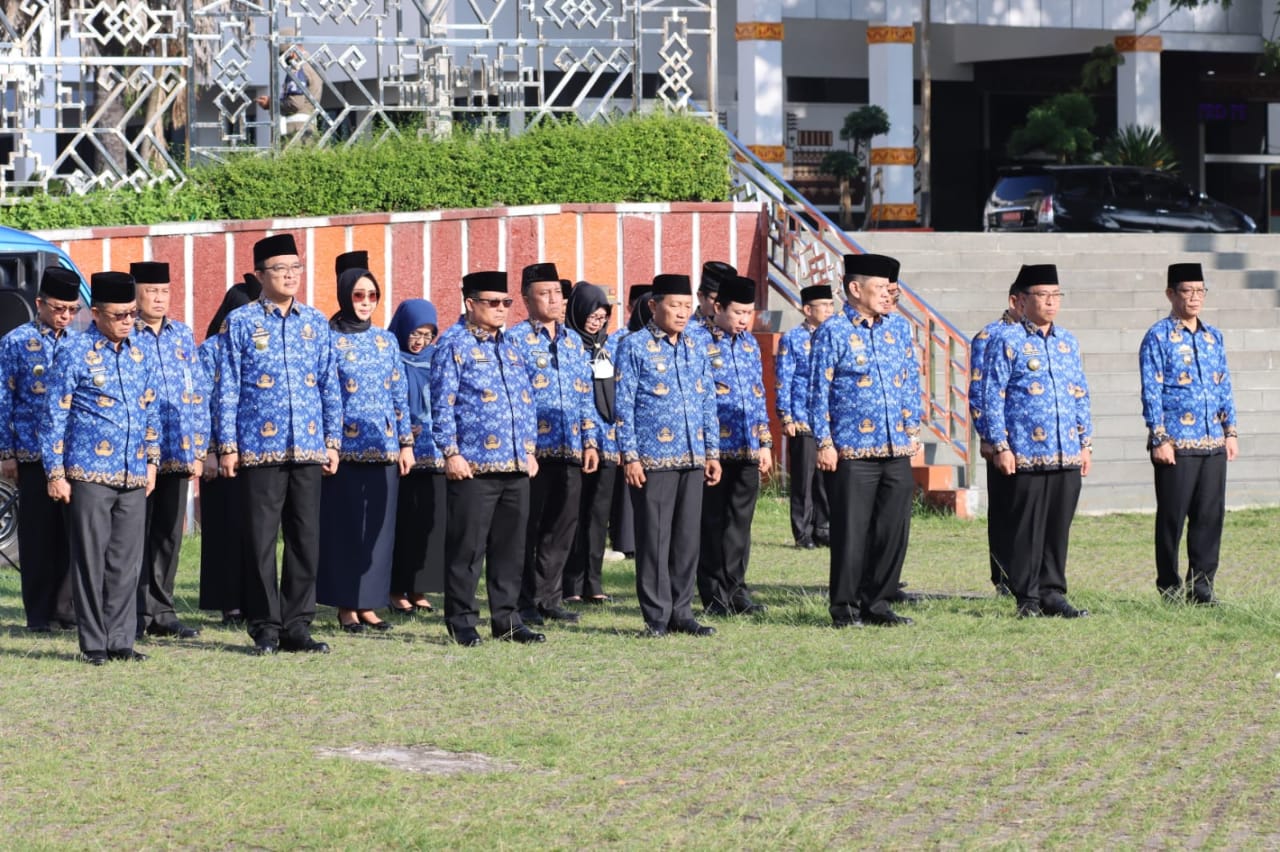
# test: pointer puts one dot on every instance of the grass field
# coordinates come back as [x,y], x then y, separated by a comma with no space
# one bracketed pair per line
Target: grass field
[1146,725]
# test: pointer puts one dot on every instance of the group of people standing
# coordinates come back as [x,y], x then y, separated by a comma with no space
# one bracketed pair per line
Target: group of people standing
[404,461]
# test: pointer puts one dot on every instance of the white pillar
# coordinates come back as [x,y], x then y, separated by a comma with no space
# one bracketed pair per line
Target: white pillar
[761,87]
[891,71]
[1138,81]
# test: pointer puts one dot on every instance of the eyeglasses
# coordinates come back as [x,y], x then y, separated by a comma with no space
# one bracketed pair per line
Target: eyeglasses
[120,316]
[1192,292]
[1047,297]
[364,296]
[597,316]
[493,303]
[284,269]
[424,336]
[61,309]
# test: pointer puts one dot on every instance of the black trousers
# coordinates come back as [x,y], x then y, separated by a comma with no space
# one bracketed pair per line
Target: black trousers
[417,565]
[166,512]
[1191,492]
[487,518]
[224,555]
[810,516]
[999,496]
[622,523]
[668,511]
[554,497]
[1042,506]
[44,552]
[107,527]
[727,510]
[584,572]
[273,497]
[870,526]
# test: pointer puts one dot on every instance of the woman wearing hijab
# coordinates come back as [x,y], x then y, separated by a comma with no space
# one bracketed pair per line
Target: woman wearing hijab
[358,503]
[622,524]
[418,564]
[222,556]
[587,313]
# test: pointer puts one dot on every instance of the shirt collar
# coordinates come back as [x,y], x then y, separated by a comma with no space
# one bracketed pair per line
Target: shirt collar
[483,335]
[659,334]
[1179,324]
[45,329]
[269,307]
[1031,328]
[858,319]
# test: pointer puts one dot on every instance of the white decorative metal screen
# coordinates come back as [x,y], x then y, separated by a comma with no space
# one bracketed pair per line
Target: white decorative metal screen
[128,93]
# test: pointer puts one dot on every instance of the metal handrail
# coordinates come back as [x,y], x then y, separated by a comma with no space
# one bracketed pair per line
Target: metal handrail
[804,244]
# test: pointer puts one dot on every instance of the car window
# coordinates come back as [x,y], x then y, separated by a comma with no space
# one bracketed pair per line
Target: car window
[1164,189]
[1018,187]
[1128,187]
[1089,184]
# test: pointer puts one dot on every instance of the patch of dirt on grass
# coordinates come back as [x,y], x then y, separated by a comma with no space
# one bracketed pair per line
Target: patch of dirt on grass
[433,761]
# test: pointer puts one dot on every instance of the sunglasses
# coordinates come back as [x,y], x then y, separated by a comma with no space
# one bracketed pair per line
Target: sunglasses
[62,309]
[494,303]
[364,296]
[120,316]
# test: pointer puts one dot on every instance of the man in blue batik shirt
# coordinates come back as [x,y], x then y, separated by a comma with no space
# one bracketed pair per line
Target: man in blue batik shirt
[864,408]
[1035,416]
[26,362]
[997,491]
[485,426]
[669,438]
[99,445]
[184,430]
[810,519]
[1191,432]
[567,440]
[746,451]
[278,428]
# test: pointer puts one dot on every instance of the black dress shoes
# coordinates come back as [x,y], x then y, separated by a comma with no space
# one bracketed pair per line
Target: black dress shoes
[716,609]
[851,621]
[691,627]
[1064,610]
[96,658]
[39,628]
[653,631]
[888,618]
[1196,599]
[1003,590]
[521,634]
[127,654]
[351,626]
[557,613]
[302,643]
[174,628]
[532,616]
[805,544]
[467,637]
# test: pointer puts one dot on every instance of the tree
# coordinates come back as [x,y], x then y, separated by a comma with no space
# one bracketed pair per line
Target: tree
[860,126]
[1058,126]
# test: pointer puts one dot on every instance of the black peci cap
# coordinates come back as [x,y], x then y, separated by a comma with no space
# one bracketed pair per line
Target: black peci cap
[1032,274]
[1180,273]
[815,293]
[276,245]
[149,272]
[113,288]
[58,282]
[671,285]
[490,281]
[871,265]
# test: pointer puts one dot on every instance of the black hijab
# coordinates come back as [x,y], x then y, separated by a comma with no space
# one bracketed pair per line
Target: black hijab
[236,296]
[584,300]
[345,320]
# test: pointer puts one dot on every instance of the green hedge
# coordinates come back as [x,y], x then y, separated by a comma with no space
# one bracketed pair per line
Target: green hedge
[650,158]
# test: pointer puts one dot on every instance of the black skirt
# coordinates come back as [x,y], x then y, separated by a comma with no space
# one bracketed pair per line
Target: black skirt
[222,550]
[357,535]
[418,566]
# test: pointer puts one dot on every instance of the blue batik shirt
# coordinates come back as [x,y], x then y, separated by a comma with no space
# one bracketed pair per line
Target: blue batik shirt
[26,364]
[1186,388]
[864,389]
[278,394]
[1035,398]
[100,422]
[737,374]
[209,354]
[184,414]
[792,365]
[482,402]
[666,402]
[375,396]
[977,353]
[560,373]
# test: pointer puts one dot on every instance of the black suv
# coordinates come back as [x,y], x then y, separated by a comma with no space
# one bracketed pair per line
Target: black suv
[1104,198]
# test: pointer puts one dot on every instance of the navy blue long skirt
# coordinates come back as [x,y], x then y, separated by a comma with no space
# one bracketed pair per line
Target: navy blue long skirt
[357,535]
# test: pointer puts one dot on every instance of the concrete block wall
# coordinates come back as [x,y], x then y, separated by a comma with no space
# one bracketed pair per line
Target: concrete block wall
[1114,290]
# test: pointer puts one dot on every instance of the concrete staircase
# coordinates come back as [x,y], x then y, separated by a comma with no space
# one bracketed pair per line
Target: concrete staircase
[1114,286]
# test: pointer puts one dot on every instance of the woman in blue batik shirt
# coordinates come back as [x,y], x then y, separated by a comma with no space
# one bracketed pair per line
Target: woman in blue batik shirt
[358,503]
[418,564]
